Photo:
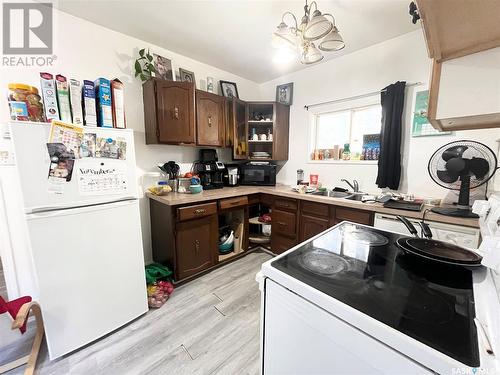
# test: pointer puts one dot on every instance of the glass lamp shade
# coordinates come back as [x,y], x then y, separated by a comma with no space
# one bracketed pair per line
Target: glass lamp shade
[318,27]
[283,37]
[310,54]
[332,42]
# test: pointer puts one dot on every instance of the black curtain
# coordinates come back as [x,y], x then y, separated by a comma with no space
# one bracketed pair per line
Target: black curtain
[389,161]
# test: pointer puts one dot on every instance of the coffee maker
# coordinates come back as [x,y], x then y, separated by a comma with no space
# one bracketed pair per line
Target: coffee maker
[209,169]
[231,175]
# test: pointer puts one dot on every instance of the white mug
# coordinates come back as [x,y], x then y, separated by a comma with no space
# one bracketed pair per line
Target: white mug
[255,137]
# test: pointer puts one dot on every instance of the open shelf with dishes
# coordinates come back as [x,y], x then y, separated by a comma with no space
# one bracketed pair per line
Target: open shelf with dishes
[261,118]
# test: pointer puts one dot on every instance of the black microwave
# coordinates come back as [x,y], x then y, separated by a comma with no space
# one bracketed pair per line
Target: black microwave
[258,174]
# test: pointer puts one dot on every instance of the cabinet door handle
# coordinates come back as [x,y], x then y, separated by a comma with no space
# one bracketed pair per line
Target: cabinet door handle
[210,121]
[197,246]
[200,211]
[176,113]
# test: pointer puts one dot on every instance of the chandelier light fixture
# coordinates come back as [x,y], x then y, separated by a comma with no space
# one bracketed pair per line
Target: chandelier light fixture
[314,34]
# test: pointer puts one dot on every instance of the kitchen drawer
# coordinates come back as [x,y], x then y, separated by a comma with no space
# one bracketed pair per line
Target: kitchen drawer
[266,199]
[315,209]
[284,223]
[199,210]
[285,204]
[280,244]
[224,204]
[354,215]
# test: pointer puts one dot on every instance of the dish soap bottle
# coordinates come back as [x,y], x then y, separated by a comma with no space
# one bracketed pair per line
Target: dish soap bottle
[346,155]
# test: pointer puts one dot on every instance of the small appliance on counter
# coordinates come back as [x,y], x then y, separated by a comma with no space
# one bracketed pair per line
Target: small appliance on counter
[209,169]
[231,175]
[258,173]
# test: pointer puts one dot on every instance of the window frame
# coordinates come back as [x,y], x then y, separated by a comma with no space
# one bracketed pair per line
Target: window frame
[313,133]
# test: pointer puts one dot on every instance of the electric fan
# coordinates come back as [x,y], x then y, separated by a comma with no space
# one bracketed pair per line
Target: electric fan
[461,165]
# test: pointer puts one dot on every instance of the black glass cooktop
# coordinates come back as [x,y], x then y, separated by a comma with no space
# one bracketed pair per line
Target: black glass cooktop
[365,269]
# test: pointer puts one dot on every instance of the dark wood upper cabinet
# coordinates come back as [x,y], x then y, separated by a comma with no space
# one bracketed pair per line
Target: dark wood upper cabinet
[210,119]
[169,112]
[240,130]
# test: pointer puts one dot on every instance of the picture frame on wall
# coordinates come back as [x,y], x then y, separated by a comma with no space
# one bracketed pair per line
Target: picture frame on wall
[186,76]
[284,93]
[229,89]
[420,125]
[163,67]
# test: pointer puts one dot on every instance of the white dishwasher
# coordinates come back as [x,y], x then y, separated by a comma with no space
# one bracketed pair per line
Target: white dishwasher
[456,234]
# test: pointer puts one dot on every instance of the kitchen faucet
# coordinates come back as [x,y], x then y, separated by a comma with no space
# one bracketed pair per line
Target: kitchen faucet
[354,186]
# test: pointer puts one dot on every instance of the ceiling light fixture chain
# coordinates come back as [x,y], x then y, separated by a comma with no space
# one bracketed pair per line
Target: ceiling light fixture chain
[313,27]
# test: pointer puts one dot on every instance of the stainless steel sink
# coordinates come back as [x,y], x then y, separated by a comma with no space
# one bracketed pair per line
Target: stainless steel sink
[355,197]
[340,194]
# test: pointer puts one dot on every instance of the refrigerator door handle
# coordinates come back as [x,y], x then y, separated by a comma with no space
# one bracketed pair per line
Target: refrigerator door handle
[75,210]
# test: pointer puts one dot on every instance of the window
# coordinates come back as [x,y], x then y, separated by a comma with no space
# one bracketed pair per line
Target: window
[352,134]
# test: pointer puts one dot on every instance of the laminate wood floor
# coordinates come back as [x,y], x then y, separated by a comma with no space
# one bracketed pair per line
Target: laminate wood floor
[208,326]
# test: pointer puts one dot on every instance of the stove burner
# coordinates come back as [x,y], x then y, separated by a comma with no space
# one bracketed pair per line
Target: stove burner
[323,262]
[366,237]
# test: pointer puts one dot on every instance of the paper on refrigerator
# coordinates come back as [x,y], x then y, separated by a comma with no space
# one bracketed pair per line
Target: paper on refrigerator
[102,178]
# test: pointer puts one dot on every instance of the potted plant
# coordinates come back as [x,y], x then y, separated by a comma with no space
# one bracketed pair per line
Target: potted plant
[144,67]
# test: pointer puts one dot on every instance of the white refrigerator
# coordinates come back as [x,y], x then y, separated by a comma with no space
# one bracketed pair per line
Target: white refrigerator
[83,256]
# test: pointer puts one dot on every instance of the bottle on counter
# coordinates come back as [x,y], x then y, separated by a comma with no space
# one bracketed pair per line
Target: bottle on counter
[300,176]
[346,154]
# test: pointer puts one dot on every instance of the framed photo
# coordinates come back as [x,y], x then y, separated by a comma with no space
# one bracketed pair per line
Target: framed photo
[420,125]
[284,93]
[163,66]
[186,76]
[229,89]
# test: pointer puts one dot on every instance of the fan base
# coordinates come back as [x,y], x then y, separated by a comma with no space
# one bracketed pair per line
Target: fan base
[457,212]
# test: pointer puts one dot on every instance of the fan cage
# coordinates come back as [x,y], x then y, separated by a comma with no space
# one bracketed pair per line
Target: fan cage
[474,149]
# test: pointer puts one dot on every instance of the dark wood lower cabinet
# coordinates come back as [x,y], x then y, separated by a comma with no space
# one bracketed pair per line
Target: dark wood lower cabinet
[354,215]
[280,244]
[311,226]
[196,244]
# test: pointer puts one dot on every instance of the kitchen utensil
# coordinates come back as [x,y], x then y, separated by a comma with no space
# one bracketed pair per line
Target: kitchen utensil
[411,228]
[440,251]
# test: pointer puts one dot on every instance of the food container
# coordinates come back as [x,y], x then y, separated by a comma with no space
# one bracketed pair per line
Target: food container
[183,185]
[25,103]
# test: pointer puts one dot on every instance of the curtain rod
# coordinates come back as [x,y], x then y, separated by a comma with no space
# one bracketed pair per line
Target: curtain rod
[306,107]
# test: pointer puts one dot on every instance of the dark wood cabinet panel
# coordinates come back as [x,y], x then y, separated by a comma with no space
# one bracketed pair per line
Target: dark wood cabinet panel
[196,245]
[240,129]
[210,115]
[280,244]
[315,209]
[169,112]
[281,131]
[284,223]
[354,215]
[196,211]
[285,204]
[311,226]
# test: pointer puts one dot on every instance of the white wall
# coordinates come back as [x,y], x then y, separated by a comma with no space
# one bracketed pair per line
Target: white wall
[368,70]
[87,51]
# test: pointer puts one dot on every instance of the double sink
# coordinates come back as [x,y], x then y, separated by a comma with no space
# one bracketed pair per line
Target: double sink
[340,194]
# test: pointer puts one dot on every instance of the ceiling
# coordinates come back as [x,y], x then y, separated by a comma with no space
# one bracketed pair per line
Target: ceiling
[236,35]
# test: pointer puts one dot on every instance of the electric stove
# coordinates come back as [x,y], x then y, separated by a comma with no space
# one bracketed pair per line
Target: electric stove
[364,268]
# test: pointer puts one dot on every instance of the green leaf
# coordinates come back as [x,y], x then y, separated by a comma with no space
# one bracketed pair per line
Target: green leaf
[137,66]
[137,73]
[141,52]
[143,77]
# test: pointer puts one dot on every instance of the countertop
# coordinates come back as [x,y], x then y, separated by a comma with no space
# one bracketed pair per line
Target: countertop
[175,199]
